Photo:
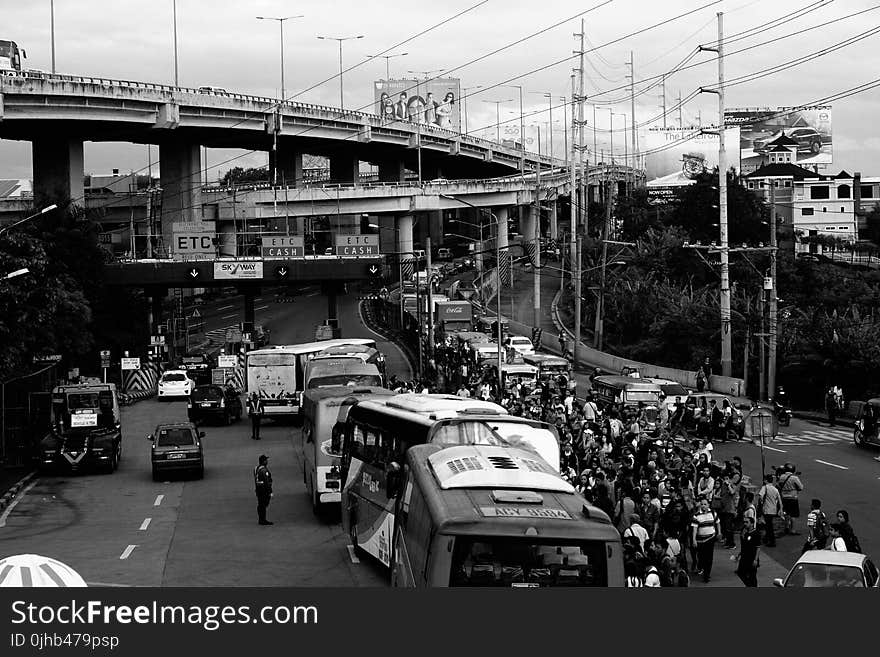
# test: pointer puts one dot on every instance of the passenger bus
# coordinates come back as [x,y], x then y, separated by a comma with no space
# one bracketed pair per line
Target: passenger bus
[377,434]
[323,408]
[276,373]
[11,56]
[626,393]
[364,353]
[324,372]
[487,516]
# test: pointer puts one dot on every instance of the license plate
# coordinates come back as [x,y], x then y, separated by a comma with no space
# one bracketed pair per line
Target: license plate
[206,404]
[176,456]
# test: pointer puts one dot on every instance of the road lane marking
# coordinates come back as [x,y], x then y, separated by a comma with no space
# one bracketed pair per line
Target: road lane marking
[126,553]
[229,316]
[775,450]
[17,499]
[833,465]
[352,555]
[261,308]
[313,294]
[159,499]
[145,524]
[225,307]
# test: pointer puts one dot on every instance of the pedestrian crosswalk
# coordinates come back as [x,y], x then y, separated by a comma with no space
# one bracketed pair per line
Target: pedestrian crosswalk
[818,436]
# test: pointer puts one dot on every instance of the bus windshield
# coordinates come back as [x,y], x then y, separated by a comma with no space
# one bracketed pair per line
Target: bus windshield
[648,396]
[530,562]
[349,380]
[5,49]
[271,360]
[467,433]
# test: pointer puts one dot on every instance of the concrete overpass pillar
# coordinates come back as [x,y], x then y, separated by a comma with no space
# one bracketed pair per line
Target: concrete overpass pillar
[554,220]
[392,171]
[344,167]
[180,172]
[503,214]
[405,244]
[436,227]
[289,164]
[58,171]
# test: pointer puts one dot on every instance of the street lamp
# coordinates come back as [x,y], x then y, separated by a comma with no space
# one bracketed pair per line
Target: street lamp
[522,128]
[498,116]
[464,102]
[625,145]
[497,287]
[549,96]
[281,26]
[386,58]
[340,40]
[48,208]
[52,30]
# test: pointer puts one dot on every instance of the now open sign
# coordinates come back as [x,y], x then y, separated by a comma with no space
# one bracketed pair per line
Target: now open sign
[357,245]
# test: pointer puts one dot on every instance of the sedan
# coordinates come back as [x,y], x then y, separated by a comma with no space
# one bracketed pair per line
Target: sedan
[177,446]
[220,403]
[175,384]
[831,569]
[521,344]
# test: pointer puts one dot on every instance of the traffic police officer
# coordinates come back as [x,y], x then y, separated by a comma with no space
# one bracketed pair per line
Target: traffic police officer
[263,488]
[255,410]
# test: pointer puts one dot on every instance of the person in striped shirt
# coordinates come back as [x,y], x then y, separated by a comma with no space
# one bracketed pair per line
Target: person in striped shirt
[705,529]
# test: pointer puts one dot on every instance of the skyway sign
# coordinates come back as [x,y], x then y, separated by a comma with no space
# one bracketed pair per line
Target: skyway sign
[283,247]
[238,270]
[357,245]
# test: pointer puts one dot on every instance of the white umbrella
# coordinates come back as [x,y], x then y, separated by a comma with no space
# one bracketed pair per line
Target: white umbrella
[26,570]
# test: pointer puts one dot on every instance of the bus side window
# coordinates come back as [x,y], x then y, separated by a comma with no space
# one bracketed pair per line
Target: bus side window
[370,446]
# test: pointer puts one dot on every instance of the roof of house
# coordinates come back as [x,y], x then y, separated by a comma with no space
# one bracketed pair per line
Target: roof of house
[785,170]
[782,140]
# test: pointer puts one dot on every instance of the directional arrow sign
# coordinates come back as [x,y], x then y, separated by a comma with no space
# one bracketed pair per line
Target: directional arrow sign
[282,271]
[193,272]
[374,270]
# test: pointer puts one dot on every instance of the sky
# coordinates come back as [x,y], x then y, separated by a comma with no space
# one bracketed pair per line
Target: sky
[221,43]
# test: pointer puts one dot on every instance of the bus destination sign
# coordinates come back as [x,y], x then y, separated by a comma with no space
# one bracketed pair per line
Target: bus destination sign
[524,512]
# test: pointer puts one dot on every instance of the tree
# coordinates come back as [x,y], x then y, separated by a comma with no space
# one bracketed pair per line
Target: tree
[242,176]
[872,221]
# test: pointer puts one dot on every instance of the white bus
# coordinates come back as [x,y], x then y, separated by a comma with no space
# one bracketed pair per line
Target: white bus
[377,433]
[276,373]
[481,516]
[323,408]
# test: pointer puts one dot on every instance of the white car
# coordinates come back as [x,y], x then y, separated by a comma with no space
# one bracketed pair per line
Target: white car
[521,344]
[175,383]
[213,90]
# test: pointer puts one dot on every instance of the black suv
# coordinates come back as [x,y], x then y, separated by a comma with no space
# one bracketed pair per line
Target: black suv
[220,403]
[177,446]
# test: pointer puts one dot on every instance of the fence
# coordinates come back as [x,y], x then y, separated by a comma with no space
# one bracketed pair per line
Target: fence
[22,413]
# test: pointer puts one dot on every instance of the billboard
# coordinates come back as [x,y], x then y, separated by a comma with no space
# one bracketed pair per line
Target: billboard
[807,129]
[434,102]
[674,157]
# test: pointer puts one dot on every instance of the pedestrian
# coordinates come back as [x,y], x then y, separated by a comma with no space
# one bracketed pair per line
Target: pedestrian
[637,530]
[748,556]
[789,487]
[729,503]
[831,407]
[770,505]
[817,526]
[263,488]
[838,544]
[255,411]
[624,509]
[563,346]
[847,533]
[705,530]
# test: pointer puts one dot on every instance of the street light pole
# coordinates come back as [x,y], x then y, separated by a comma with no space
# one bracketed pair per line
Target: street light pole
[52,28]
[464,102]
[387,58]
[176,77]
[774,301]
[26,219]
[498,116]
[340,40]
[281,27]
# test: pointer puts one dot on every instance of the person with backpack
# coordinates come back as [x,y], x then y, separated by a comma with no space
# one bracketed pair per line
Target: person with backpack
[789,487]
[817,526]
[847,533]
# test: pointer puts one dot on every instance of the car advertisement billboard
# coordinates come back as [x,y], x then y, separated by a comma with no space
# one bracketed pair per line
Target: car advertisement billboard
[675,157]
[434,102]
[806,130]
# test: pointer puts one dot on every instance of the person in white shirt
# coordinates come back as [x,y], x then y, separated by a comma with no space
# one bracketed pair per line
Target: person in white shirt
[837,542]
[635,529]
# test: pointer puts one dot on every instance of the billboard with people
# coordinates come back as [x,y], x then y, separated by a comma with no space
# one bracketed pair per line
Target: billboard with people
[806,131]
[675,157]
[433,102]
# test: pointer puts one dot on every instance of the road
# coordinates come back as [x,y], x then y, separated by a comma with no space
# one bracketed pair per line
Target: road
[126,530]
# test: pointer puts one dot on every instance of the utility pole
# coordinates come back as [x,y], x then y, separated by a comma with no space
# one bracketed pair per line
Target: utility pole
[599,330]
[536,265]
[430,297]
[663,99]
[585,187]
[762,350]
[632,111]
[726,337]
[680,122]
[574,239]
[771,366]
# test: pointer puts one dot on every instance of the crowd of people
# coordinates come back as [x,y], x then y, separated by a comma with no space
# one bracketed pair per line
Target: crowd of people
[670,500]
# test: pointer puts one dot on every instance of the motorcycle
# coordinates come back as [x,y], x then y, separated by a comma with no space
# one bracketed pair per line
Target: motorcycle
[781,408]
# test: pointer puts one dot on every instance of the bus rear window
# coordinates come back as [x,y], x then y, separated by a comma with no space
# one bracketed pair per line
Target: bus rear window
[514,561]
[351,380]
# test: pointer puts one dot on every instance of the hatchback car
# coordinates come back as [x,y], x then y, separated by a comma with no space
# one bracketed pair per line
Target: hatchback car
[177,446]
[831,569]
[214,402]
[175,384]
